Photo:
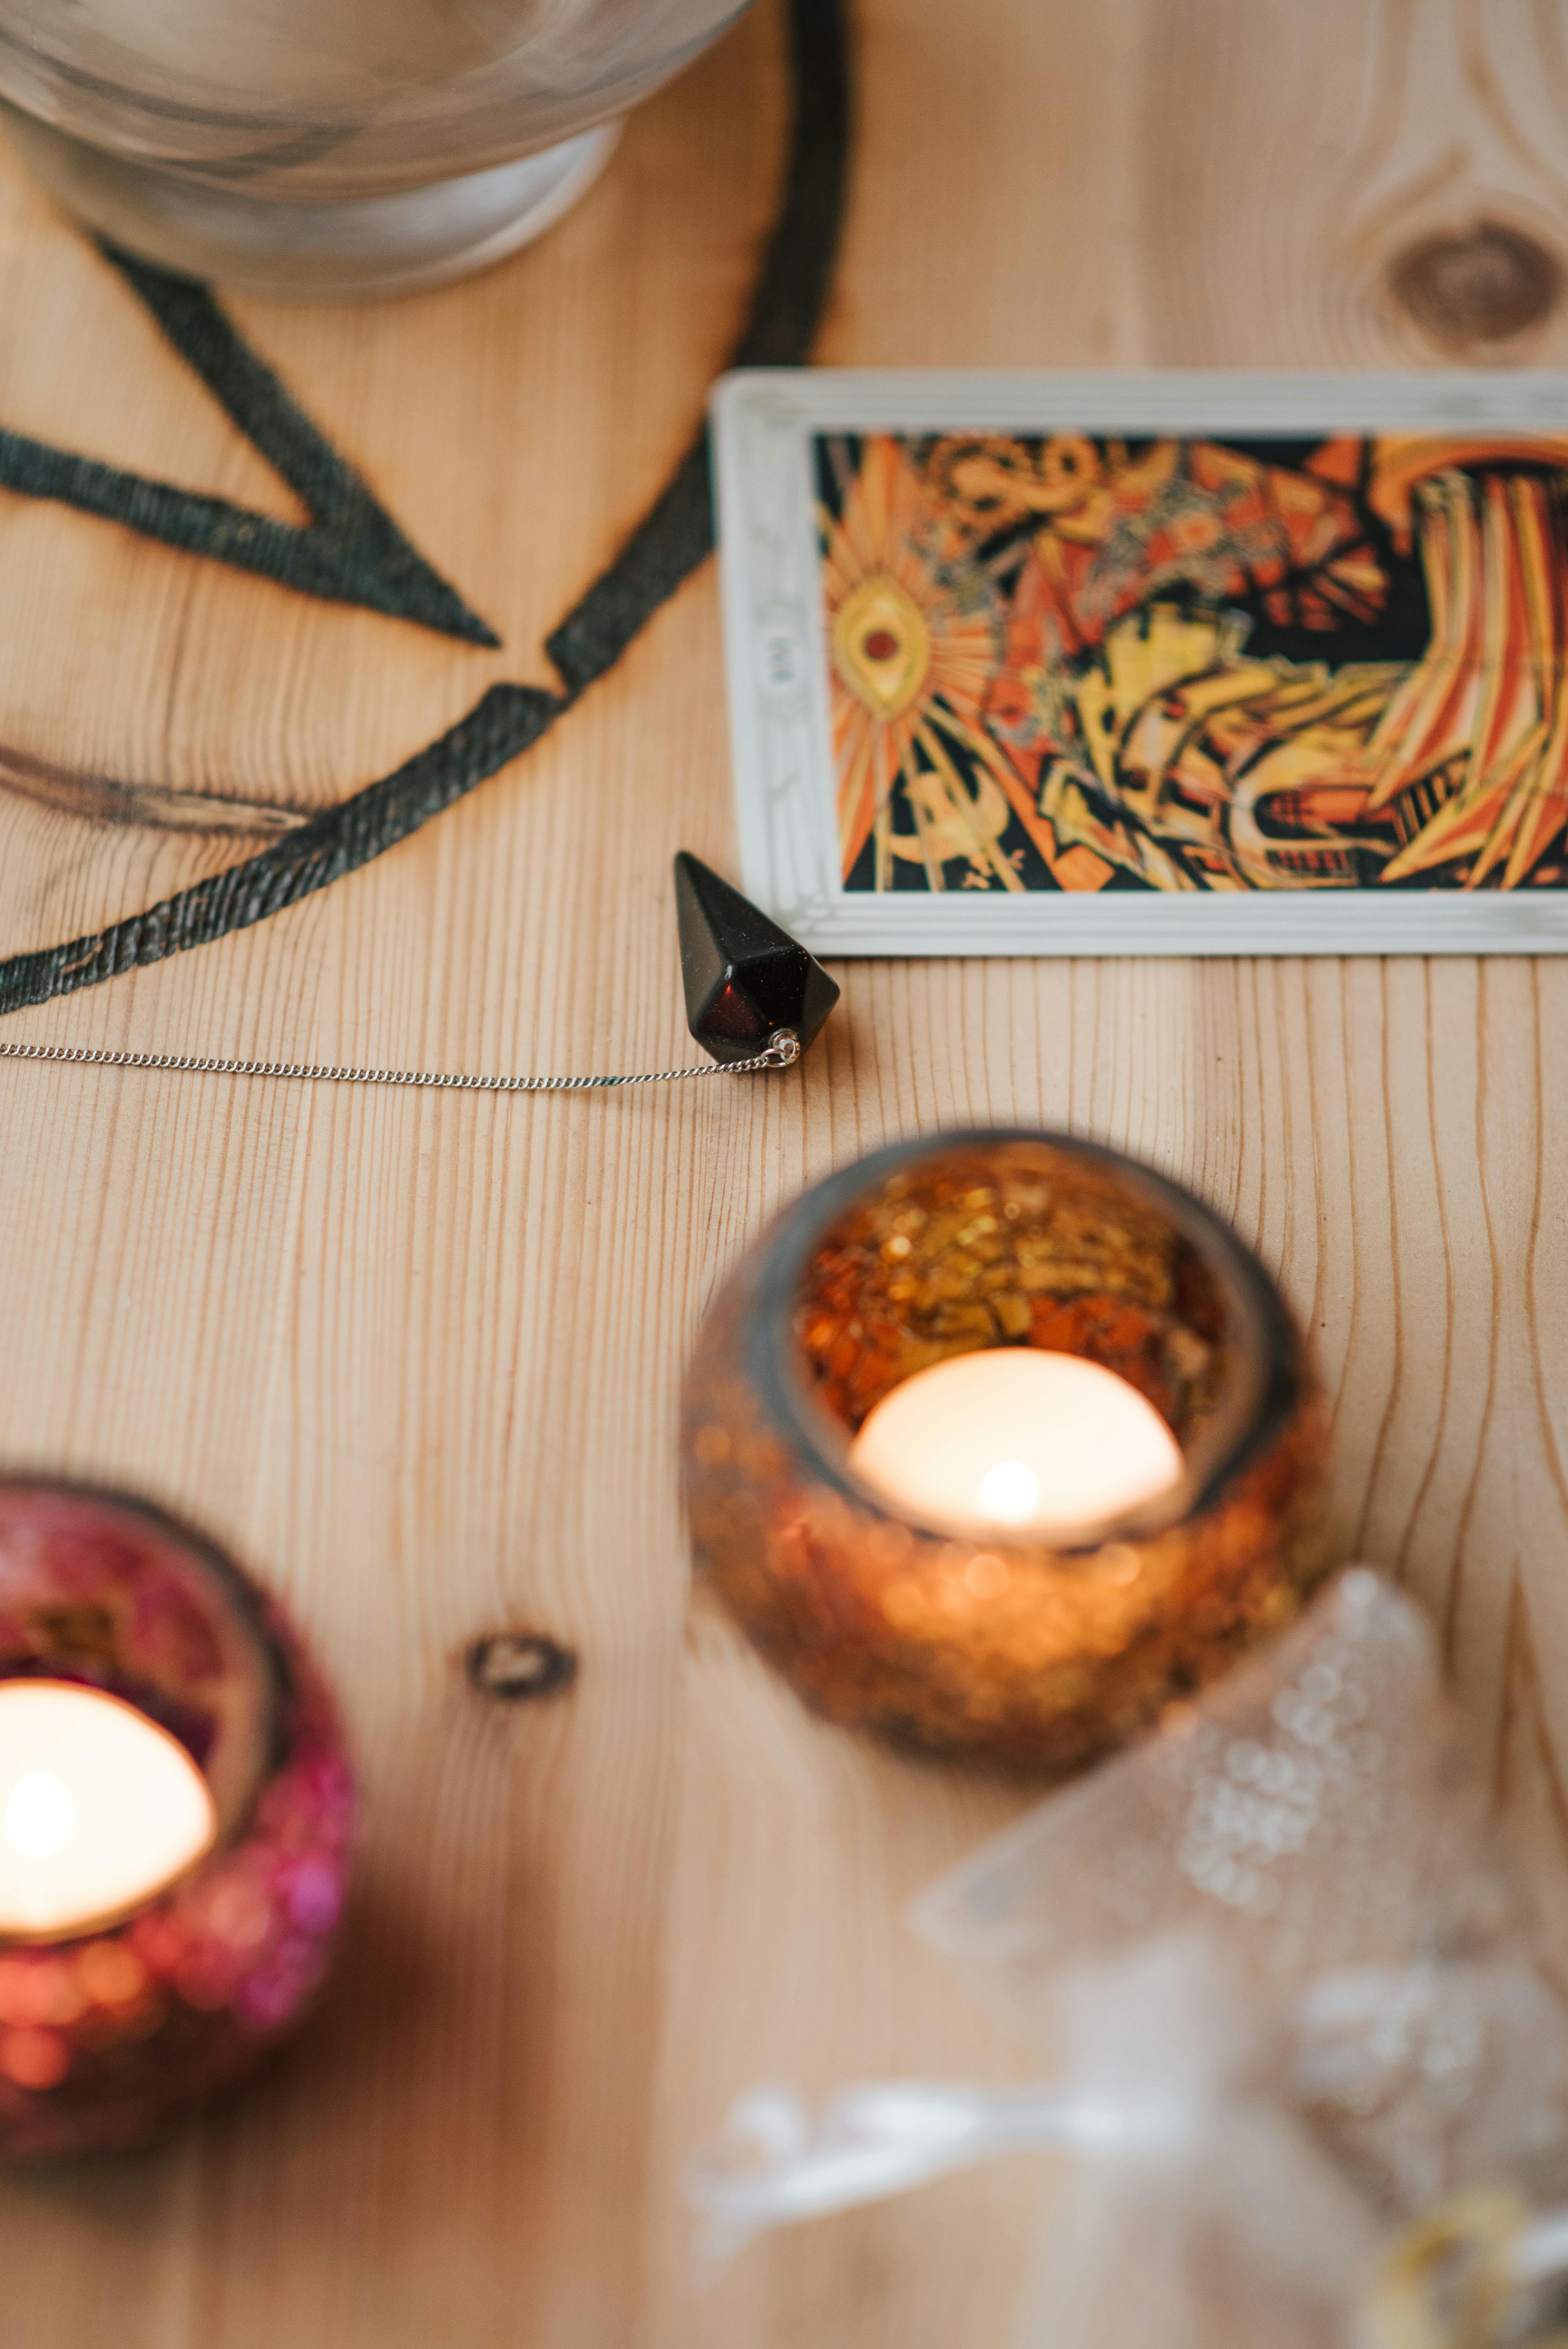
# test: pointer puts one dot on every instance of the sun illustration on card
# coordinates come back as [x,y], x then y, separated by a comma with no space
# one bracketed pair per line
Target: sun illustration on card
[915,639]
[1082,663]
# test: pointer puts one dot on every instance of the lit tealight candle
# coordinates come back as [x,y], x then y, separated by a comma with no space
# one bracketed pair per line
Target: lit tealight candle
[1015,1436]
[99,1808]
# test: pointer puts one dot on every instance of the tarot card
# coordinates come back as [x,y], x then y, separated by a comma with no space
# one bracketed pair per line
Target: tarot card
[1159,664]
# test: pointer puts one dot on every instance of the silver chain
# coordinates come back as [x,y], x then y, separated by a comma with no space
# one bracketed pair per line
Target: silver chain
[783,1049]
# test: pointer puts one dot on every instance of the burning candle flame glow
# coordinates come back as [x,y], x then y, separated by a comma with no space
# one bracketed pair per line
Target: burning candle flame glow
[99,1807]
[40,1817]
[1016,1436]
[1010,1492]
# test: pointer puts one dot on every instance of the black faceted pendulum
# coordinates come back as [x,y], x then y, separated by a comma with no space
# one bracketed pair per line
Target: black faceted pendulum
[755,999]
[748,984]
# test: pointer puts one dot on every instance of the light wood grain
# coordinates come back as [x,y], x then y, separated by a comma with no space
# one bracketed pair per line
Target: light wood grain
[417,1358]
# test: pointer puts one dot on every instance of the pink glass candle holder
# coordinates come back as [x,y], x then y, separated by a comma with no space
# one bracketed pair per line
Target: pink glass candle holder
[114,2022]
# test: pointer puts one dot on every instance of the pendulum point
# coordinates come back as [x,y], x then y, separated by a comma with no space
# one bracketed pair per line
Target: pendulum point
[750,985]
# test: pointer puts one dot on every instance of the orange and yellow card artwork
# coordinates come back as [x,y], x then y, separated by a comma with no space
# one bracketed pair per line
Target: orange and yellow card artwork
[1066,662]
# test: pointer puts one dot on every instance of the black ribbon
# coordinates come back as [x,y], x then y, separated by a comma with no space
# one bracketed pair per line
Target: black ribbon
[354,559]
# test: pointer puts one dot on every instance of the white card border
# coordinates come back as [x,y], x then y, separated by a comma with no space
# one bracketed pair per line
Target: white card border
[776,657]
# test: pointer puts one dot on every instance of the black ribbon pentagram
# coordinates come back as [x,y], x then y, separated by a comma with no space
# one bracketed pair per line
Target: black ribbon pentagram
[352,552]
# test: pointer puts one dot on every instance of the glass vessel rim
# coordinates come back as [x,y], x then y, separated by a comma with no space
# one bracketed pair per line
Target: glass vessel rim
[1264,1387]
[228,1587]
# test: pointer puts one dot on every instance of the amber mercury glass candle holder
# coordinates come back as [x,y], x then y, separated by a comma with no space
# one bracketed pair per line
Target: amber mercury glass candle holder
[998,1647]
[113,2025]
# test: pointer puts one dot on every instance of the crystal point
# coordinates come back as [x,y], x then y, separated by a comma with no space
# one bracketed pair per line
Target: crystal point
[744,976]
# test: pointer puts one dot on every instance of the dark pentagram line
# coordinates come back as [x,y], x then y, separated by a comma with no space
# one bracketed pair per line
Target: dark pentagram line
[666,547]
[350,551]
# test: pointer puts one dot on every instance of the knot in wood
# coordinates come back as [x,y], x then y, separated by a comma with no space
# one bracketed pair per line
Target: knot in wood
[513,1665]
[1483,285]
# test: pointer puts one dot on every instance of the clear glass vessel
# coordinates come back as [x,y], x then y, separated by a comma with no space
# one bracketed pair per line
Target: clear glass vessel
[331,146]
[1001,1647]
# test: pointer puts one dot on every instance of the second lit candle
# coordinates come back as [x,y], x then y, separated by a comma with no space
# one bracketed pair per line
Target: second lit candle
[1014,1437]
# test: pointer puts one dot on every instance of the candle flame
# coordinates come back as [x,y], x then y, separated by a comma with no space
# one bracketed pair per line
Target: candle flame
[1010,1492]
[40,1817]
[101,1809]
[1016,1436]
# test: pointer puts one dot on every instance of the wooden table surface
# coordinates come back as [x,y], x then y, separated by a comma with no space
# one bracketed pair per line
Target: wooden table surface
[417,1357]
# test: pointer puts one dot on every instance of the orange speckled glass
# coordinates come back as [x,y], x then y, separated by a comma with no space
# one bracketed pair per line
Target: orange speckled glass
[999,1648]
